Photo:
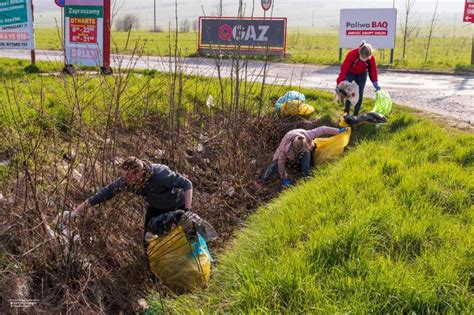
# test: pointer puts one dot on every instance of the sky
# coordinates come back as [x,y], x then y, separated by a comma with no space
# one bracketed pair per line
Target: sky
[300,13]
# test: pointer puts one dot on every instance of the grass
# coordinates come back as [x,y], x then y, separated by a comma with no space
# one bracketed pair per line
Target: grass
[387,229]
[446,53]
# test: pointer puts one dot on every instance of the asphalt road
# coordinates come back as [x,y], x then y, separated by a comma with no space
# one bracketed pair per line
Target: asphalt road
[450,96]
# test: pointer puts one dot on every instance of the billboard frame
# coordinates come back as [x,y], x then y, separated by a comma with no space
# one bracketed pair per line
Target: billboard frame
[256,50]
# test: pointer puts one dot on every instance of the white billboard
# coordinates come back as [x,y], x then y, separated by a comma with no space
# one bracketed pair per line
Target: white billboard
[376,26]
[16,25]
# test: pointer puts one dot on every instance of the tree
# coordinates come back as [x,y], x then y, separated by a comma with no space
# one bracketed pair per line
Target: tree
[185,26]
[433,27]
[408,27]
[195,25]
[126,22]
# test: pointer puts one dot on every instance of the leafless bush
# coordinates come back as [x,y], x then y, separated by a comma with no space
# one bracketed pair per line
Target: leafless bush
[127,22]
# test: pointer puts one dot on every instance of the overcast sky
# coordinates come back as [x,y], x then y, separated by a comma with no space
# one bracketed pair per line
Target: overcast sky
[300,13]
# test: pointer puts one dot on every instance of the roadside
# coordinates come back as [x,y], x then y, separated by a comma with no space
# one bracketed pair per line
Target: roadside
[451,96]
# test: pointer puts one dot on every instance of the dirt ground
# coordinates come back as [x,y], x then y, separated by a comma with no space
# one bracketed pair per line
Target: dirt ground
[106,271]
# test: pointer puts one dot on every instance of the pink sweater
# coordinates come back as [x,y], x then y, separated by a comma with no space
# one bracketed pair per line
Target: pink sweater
[284,152]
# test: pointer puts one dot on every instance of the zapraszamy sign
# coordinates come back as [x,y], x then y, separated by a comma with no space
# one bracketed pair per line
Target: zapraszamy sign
[242,35]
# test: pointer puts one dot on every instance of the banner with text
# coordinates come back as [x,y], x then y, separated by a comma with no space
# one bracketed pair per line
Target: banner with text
[376,26]
[84,24]
[243,35]
[16,25]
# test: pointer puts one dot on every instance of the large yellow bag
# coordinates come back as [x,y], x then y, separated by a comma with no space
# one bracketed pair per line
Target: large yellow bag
[329,149]
[296,108]
[181,265]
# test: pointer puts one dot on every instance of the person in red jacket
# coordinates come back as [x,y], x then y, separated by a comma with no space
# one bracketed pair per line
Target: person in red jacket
[358,62]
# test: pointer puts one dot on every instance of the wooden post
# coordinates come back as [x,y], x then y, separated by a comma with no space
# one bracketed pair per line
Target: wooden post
[391,55]
[33,52]
[340,54]
[472,48]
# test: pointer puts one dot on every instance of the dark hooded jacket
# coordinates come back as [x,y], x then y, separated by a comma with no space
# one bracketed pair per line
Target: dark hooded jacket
[161,187]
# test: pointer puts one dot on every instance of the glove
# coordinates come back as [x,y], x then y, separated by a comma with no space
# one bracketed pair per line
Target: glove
[341,130]
[286,182]
[376,85]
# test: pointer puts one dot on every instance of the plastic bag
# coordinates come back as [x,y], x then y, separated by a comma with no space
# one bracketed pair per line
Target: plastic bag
[383,103]
[290,96]
[182,265]
[329,149]
[363,119]
[296,108]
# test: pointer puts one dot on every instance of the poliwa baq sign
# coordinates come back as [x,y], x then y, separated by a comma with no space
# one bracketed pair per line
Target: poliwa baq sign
[87,32]
[242,35]
[376,26]
[16,25]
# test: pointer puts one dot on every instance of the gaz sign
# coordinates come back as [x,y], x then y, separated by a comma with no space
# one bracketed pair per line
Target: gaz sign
[243,35]
[469,11]
[376,26]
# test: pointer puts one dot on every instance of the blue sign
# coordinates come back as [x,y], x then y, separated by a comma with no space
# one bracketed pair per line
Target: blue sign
[59,3]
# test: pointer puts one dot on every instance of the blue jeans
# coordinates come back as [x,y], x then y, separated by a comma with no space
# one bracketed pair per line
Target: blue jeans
[360,79]
[304,163]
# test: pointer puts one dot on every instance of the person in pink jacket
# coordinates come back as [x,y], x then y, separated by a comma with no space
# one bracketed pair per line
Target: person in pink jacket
[296,146]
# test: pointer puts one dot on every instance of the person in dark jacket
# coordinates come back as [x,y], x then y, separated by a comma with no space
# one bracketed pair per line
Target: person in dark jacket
[163,189]
[357,63]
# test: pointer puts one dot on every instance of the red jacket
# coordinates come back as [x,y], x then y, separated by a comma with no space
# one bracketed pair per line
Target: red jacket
[352,64]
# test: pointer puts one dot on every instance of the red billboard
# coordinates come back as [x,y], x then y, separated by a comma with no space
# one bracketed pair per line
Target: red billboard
[83,30]
[469,11]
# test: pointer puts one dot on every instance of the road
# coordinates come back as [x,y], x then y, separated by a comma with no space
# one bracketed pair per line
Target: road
[450,96]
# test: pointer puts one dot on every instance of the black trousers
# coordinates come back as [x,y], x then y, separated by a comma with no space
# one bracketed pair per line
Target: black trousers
[153,212]
[360,79]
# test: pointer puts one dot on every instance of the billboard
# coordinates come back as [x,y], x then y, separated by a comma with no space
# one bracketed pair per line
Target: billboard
[87,33]
[376,26]
[16,25]
[469,11]
[242,35]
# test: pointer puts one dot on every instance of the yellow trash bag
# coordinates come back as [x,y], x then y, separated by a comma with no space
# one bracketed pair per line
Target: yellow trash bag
[296,108]
[181,265]
[329,149]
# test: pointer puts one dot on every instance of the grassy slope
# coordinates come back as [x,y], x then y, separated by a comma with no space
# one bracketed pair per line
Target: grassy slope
[304,47]
[389,228]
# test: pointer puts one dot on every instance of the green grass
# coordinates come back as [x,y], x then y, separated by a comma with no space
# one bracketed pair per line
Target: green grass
[312,47]
[387,229]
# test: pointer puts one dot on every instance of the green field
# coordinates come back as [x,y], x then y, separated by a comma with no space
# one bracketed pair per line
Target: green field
[313,47]
[387,229]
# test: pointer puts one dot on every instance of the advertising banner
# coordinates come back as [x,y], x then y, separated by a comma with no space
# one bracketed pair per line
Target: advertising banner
[376,26]
[16,25]
[87,37]
[243,35]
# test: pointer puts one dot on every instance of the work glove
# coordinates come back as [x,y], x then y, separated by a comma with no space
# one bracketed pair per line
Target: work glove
[64,219]
[285,182]
[376,85]
[341,130]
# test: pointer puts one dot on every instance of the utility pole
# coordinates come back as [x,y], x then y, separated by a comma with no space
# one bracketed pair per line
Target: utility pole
[154,15]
